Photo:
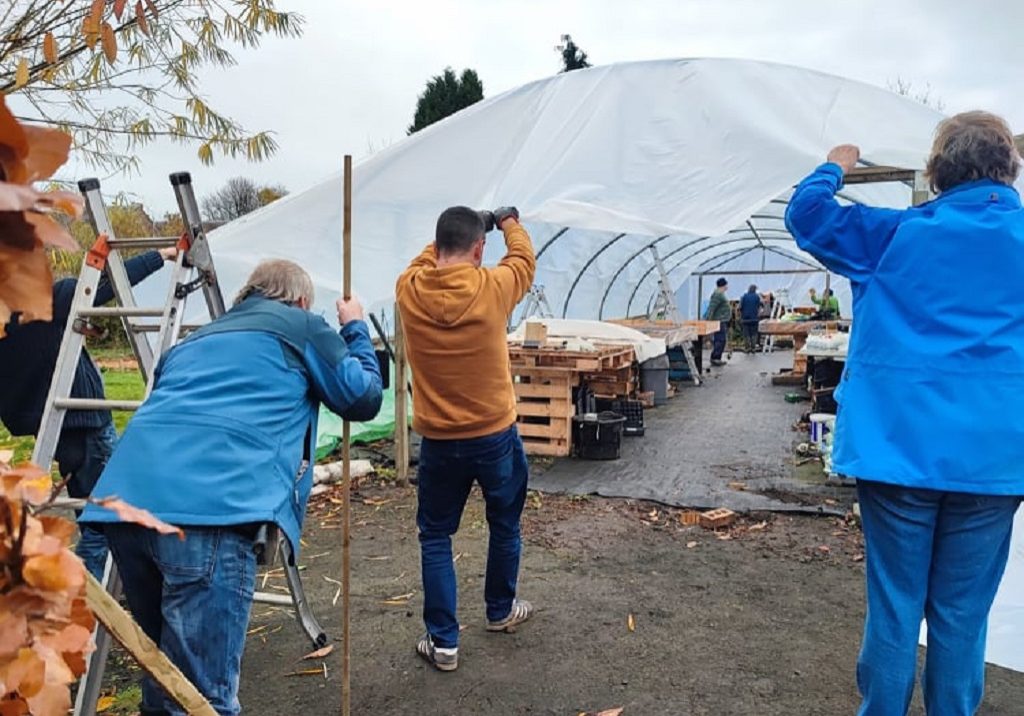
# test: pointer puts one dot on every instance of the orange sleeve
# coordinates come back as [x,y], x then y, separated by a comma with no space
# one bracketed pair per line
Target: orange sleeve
[514,273]
[426,260]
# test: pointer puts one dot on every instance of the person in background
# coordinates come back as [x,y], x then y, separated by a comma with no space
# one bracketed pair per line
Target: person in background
[750,315]
[454,313]
[224,446]
[828,304]
[28,358]
[719,310]
[934,440]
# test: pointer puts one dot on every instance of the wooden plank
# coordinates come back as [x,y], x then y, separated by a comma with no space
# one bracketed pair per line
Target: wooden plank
[543,390]
[130,635]
[558,429]
[544,447]
[547,409]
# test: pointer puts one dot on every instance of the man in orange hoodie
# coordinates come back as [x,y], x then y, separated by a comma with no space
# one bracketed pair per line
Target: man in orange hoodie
[454,313]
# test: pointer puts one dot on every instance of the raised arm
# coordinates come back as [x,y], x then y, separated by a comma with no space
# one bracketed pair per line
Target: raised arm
[848,240]
[138,268]
[343,367]
[514,273]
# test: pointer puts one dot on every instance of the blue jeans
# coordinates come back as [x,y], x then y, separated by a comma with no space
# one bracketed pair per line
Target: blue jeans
[446,473]
[719,340]
[192,597]
[937,555]
[82,453]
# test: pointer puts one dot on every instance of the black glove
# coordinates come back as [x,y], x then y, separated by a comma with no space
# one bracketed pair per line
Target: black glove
[505,212]
[488,218]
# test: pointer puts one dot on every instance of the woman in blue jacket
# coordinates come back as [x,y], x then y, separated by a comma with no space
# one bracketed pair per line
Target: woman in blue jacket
[930,421]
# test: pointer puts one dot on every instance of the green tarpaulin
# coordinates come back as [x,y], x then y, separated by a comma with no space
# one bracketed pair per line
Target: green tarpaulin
[383,426]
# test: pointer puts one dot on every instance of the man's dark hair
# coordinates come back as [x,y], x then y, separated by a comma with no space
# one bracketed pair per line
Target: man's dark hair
[721,282]
[458,228]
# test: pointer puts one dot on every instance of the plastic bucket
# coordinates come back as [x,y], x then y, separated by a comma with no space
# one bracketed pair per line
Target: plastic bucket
[821,423]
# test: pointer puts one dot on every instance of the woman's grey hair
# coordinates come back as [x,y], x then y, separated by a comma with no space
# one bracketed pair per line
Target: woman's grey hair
[279,280]
[971,146]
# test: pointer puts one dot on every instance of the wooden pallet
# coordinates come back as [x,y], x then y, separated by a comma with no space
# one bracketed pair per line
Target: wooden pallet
[605,358]
[545,411]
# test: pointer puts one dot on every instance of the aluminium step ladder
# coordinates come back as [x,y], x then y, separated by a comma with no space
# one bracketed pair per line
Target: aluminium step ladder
[667,308]
[192,270]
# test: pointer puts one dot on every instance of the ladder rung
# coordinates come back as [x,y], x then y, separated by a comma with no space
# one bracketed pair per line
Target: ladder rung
[73,503]
[150,242]
[94,404]
[284,600]
[155,328]
[122,311]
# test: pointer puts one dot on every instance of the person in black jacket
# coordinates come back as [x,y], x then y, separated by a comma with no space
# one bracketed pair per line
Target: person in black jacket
[28,358]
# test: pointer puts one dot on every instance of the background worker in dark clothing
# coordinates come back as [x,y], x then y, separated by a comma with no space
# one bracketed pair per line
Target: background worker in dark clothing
[750,314]
[28,358]
[719,310]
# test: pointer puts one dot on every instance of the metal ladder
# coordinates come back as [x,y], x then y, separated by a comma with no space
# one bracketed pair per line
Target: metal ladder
[667,308]
[193,270]
[778,311]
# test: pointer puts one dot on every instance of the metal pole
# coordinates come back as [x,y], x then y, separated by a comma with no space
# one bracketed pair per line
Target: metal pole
[346,471]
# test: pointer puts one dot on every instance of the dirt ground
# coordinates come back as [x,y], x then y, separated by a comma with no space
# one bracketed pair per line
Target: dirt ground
[764,619]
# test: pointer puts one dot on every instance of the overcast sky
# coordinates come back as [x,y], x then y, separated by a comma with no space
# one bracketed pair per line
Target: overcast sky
[349,85]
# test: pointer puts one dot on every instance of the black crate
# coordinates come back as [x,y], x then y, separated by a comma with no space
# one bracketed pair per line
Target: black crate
[633,412]
[599,439]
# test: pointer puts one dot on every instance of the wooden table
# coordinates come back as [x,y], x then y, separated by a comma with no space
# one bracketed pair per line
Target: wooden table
[675,334]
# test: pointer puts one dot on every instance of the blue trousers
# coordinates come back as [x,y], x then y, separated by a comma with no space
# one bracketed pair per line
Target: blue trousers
[940,556]
[82,453]
[192,598]
[446,473]
[719,341]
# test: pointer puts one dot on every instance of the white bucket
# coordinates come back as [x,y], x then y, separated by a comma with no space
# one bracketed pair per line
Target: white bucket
[821,423]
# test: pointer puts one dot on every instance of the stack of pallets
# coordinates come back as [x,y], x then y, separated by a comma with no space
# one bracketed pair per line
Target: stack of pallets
[544,379]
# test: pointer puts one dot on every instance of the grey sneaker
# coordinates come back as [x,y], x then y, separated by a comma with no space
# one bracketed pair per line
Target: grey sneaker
[440,658]
[520,612]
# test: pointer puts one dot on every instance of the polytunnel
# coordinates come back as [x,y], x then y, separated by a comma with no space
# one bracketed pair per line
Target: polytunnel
[694,159]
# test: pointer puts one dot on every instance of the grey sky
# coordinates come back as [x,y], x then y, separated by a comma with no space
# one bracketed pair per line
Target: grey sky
[349,85]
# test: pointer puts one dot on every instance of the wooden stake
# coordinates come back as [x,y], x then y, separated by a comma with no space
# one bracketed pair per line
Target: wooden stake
[130,635]
[401,405]
[346,469]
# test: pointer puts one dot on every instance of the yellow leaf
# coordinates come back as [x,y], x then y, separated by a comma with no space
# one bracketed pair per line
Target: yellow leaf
[104,703]
[109,43]
[631,623]
[50,48]
[21,74]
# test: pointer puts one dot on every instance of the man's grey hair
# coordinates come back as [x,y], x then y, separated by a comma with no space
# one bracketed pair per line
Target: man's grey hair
[971,146]
[278,280]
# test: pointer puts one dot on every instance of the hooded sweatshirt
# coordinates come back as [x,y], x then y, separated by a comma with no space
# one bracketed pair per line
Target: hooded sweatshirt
[455,320]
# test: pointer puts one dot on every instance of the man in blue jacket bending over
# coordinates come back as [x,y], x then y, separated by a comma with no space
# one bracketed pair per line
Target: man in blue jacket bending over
[223,446]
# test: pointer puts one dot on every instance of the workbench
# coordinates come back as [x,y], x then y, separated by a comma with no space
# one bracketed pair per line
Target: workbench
[798,331]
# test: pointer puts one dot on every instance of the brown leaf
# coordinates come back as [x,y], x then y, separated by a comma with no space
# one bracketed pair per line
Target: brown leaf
[50,53]
[90,31]
[13,634]
[24,674]
[140,17]
[51,699]
[96,11]
[70,639]
[58,528]
[137,516]
[119,8]
[610,712]
[54,572]
[21,74]
[631,622]
[153,9]
[47,151]
[13,707]
[320,653]
[109,42]
[27,482]
[81,614]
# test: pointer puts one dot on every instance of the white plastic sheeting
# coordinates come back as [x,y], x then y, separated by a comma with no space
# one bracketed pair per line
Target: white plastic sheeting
[690,149]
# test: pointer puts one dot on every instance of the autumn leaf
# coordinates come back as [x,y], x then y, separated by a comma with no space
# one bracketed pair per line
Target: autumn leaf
[320,653]
[109,43]
[50,53]
[13,634]
[54,572]
[119,9]
[153,9]
[27,482]
[25,674]
[58,528]
[631,623]
[105,702]
[96,11]
[21,74]
[140,17]
[90,31]
[128,513]
[13,707]
[53,698]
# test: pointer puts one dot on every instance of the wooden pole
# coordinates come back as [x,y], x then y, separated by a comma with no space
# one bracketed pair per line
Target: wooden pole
[401,405]
[346,469]
[130,635]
